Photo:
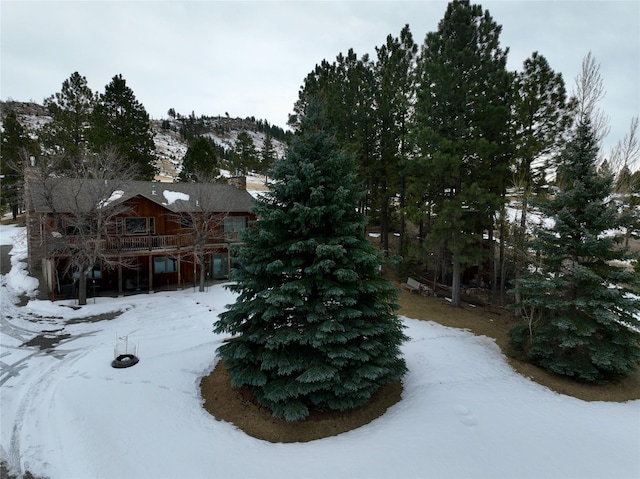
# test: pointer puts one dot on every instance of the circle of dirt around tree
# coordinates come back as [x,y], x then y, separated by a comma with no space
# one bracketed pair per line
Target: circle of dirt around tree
[239,407]
[124,361]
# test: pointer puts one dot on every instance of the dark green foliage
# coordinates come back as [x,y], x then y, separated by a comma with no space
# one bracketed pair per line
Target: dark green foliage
[393,97]
[15,149]
[368,104]
[268,154]
[120,121]
[541,119]
[192,127]
[70,111]
[200,162]
[346,89]
[580,313]
[462,130]
[245,155]
[542,116]
[314,322]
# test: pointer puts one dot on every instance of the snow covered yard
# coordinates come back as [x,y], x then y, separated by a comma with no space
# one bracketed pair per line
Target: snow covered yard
[464,411]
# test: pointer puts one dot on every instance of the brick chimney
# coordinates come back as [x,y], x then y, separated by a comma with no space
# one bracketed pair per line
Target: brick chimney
[32,174]
[33,219]
[239,182]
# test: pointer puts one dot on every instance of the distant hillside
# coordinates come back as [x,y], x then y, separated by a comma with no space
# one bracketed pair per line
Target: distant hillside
[171,133]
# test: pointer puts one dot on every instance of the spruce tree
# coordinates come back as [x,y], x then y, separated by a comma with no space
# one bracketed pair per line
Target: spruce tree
[580,311]
[314,322]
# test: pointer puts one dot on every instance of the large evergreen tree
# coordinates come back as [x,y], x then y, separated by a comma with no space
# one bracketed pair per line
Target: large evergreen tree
[70,111]
[581,313]
[119,120]
[541,117]
[393,97]
[245,154]
[15,148]
[200,162]
[314,322]
[462,118]
[346,88]
[268,153]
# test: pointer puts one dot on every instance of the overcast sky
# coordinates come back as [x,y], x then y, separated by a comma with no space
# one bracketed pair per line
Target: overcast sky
[249,58]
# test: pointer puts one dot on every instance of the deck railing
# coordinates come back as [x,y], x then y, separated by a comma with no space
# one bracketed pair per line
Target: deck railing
[124,244]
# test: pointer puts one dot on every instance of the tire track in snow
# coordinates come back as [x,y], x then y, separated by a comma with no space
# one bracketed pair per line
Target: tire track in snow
[7,371]
[39,392]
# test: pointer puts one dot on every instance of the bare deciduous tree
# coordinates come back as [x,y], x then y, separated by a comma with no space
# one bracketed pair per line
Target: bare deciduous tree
[624,161]
[587,93]
[204,225]
[626,153]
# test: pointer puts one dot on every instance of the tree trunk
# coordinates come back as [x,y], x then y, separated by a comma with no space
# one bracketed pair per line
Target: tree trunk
[502,258]
[384,219]
[455,283]
[493,271]
[402,213]
[82,289]
[519,252]
[202,274]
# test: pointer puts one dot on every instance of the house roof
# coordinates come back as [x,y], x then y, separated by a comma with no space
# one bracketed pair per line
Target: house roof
[66,195]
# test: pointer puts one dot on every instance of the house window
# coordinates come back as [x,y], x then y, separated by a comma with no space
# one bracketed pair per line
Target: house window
[165,264]
[136,226]
[95,273]
[219,265]
[186,222]
[235,223]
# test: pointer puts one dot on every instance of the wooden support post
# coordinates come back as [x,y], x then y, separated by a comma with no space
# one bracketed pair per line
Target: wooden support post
[150,274]
[120,293]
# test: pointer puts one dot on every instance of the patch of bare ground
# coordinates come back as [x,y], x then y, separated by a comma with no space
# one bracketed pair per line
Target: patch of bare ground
[237,405]
[495,322]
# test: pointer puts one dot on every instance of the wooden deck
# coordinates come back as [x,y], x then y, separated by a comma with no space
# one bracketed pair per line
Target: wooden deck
[157,243]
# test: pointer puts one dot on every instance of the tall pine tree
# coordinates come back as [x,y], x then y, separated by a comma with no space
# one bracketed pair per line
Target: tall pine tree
[15,148]
[200,162]
[119,120]
[542,117]
[245,154]
[314,322]
[393,100]
[581,316]
[462,118]
[70,111]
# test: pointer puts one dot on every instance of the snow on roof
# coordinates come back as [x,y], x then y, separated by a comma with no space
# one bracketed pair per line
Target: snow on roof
[116,195]
[173,196]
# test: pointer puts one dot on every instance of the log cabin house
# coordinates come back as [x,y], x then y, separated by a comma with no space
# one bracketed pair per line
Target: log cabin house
[147,235]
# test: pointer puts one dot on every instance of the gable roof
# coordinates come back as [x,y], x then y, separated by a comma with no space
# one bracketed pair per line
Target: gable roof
[69,195]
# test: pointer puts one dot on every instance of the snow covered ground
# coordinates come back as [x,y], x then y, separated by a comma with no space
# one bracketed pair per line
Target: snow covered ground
[464,412]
